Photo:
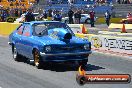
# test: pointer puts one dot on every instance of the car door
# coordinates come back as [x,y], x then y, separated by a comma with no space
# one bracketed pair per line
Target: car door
[27,40]
[17,38]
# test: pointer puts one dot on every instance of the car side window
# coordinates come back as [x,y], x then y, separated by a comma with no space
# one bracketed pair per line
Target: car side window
[20,30]
[26,31]
[40,29]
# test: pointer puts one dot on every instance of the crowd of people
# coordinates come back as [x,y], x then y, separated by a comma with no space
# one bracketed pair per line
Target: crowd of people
[74,16]
[123,1]
[11,12]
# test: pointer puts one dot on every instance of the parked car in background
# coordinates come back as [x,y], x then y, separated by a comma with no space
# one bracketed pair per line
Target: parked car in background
[22,18]
[48,41]
[85,18]
[127,20]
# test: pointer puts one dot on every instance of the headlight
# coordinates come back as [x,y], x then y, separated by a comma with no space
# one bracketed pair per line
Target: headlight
[87,47]
[47,48]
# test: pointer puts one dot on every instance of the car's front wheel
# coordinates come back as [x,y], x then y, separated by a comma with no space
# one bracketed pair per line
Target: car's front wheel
[37,59]
[126,22]
[83,63]
[15,54]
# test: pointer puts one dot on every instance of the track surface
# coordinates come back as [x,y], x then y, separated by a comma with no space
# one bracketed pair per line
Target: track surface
[21,75]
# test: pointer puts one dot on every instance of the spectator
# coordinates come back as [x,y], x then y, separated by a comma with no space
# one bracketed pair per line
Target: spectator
[119,1]
[12,11]
[70,15]
[20,11]
[50,14]
[45,15]
[29,16]
[4,16]
[77,16]
[37,1]
[16,12]
[57,16]
[11,3]
[107,17]
[92,15]
[24,10]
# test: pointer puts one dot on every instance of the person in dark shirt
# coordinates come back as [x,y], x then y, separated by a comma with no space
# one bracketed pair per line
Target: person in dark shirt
[77,16]
[57,16]
[107,17]
[29,16]
[92,15]
[45,15]
[70,15]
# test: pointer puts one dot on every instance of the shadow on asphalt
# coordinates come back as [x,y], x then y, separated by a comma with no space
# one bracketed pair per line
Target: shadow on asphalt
[65,67]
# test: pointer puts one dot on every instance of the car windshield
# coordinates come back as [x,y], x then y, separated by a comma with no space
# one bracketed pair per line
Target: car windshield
[43,29]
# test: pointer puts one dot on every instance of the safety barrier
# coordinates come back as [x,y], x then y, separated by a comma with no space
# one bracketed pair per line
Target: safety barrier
[108,43]
[113,20]
[6,28]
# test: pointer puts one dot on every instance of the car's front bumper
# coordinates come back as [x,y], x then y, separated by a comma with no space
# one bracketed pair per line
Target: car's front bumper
[65,54]
[61,57]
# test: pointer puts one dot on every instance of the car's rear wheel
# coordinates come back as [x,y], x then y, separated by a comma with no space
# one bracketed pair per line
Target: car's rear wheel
[37,59]
[15,54]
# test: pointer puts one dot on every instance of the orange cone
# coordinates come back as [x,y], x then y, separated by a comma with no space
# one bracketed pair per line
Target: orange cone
[84,30]
[123,29]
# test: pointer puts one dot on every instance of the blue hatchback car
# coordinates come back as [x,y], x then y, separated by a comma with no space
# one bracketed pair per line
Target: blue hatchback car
[48,41]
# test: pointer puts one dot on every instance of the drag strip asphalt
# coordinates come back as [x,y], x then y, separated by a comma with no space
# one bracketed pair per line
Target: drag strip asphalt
[22,75]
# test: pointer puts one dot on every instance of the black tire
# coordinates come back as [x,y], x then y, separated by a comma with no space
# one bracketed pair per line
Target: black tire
[87,21]
[37,59]
[83,63]
[126,22]
[15,54]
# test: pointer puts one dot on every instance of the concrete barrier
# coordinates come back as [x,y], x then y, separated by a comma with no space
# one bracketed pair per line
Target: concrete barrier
[6,28]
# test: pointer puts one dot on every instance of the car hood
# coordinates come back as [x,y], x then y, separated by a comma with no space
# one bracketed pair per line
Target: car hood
[48,40]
